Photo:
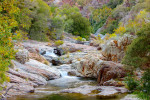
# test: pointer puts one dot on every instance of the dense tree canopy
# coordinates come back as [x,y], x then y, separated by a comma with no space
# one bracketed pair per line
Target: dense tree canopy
[8,13]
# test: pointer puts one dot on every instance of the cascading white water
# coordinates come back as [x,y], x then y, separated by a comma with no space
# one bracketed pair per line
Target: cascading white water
[63,73]
[50,53]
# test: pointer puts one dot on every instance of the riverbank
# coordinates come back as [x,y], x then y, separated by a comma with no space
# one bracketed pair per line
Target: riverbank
[35,75]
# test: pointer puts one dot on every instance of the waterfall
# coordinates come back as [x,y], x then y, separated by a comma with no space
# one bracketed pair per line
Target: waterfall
[50,53]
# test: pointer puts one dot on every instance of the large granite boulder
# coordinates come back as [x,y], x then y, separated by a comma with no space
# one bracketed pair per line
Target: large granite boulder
[110,70]
[92,66]
[114,49]
[89,64]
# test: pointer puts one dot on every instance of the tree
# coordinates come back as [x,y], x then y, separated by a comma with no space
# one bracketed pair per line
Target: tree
[40,14]
[81,26]
[74,22]
[113,3]
[8,12]
[100,16]
[137,53]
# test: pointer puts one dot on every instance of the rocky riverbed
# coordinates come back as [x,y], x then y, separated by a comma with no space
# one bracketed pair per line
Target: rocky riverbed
[39,73]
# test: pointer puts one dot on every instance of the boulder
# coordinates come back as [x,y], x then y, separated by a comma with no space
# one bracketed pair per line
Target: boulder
[55,62]
[110,70]
[22,55]
[89,65]
[114,49]
[46,71]
[19,89]
[36,79]
[38,57]
[92,66]
[72,73]
[58,51]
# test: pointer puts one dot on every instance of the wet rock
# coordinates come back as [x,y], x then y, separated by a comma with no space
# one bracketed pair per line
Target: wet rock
[58,51]
[43,52]
[22,55]
[55,62]
[72,73]
[99,48]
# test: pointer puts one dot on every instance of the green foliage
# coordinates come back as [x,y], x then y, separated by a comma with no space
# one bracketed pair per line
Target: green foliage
[80,39]
[59,42]
[99,17]
[40,14]
[113,3]
[142,86]
[147,5]
[146,82]
[142,48]
[83,2]
[142,95]
[81,25]
[132,83]
[56,28]
[120,11]
[8,11]
[74,22]
[111,26]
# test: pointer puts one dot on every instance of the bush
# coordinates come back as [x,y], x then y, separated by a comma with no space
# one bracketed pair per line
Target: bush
[99,17]
[113,3]
[80,25]
[146,82]
[8,24]
[111,26]
[137,53]
[120,11]
[59,42]
[132,83]
[80,39]
[56,28]
[40,14]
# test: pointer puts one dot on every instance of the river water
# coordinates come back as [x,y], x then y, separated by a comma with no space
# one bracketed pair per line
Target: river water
[49,91]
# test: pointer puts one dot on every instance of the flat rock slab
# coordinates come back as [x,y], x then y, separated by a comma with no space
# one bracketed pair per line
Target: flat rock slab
[130,97]
[99,91]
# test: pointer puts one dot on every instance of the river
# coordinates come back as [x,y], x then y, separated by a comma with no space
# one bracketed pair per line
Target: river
[50,91]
